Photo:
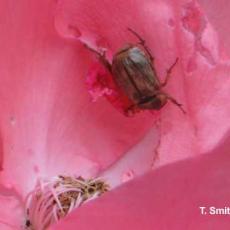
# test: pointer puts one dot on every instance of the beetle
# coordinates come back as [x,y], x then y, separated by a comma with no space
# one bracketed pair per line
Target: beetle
[134,73]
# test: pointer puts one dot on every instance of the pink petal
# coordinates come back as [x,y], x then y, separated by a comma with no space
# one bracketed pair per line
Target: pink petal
[168,198]
[11,211]
[140,159]
[218,13]
[49,125]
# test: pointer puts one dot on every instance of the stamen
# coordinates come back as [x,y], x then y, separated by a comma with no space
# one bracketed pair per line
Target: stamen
[52,200]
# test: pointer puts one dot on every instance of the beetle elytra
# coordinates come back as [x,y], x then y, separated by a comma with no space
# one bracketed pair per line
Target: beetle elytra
[134,73]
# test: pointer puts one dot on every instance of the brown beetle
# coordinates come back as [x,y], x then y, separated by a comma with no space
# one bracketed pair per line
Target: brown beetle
[133,71]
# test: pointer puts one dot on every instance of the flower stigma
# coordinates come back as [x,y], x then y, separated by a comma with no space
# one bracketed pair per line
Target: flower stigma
[54,199]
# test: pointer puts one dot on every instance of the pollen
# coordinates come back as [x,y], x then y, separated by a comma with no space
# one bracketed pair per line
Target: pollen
[54,199]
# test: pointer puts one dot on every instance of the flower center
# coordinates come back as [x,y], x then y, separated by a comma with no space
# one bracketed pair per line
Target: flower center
[54,199]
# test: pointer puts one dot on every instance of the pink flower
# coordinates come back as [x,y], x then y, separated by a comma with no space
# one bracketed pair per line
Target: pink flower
[50,126]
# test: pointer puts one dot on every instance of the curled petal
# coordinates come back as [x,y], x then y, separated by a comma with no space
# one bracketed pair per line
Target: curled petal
[168,198]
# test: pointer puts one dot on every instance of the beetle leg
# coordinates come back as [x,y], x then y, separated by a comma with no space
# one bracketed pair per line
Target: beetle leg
[174,101]
[142,42]
[169,74]
[101,56]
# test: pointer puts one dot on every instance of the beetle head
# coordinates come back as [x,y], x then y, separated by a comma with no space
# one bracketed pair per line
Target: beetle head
[159,101]
[155,102]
